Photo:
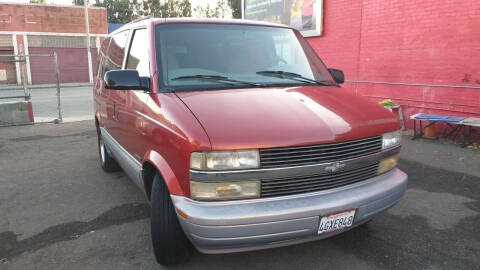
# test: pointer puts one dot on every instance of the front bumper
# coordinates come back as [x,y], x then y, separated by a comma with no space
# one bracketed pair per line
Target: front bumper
[233,226]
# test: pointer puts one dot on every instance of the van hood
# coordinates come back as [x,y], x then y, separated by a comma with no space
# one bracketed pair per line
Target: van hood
[293,116]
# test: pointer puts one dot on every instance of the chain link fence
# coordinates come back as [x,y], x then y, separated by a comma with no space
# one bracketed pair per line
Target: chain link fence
[14,84]
[30,71]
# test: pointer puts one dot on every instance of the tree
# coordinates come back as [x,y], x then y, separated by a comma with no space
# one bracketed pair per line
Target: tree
[149,8]
[178,8]
[118,11]
[124,11]
[206,11]
[164,8]
[220,10]
[236,7]
[154,8]
[78,2]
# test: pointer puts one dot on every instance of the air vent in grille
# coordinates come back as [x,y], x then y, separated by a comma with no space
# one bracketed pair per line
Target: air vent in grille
[304,155]
[310,183]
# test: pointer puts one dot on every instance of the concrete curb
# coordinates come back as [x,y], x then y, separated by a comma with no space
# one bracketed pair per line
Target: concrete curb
[15,113]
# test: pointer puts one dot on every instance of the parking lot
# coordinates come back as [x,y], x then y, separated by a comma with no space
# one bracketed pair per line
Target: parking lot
[59,210]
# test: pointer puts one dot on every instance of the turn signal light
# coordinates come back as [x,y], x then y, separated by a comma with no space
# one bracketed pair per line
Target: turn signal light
[387,164]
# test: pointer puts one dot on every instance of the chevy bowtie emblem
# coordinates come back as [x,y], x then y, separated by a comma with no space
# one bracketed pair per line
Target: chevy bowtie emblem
[335,167]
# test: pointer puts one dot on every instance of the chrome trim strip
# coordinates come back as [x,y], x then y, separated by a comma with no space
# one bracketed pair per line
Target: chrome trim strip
[131,166]
[320,153]
[359,146]
[268,173]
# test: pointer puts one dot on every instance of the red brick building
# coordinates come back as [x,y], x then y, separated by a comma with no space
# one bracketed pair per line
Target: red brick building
[43,29]
[424,55]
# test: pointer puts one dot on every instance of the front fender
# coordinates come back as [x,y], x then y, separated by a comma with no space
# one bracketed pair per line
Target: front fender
[165,171]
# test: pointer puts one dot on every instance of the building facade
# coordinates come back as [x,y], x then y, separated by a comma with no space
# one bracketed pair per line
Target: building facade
[423,55]
[36,30]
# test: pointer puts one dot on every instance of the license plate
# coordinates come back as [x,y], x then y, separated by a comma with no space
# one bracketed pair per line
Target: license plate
[336,221]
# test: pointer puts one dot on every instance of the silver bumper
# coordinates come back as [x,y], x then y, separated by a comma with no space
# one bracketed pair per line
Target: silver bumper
[233,226]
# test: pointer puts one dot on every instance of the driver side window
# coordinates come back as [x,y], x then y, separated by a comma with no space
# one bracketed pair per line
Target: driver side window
[116,51]
[138,54]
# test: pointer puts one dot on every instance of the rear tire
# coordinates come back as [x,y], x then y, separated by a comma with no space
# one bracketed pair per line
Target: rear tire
[170,245]
[107,162]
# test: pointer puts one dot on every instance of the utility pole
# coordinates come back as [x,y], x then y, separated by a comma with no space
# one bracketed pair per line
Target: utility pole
[89,54]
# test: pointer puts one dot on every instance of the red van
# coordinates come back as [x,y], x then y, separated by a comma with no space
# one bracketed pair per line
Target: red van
[239,136]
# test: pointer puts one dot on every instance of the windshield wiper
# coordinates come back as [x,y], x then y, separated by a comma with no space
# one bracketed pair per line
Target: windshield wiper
[220,79]
[292,76]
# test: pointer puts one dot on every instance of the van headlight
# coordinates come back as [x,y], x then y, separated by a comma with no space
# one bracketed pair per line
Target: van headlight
[225,160]
[231,190]
[391,139]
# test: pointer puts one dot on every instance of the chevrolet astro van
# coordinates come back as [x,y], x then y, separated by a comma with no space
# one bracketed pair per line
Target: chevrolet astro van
[240,136]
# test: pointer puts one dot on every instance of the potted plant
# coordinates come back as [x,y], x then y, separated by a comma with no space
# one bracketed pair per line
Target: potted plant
[395,108]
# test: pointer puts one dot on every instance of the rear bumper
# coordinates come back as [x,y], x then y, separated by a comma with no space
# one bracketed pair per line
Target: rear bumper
[233,226]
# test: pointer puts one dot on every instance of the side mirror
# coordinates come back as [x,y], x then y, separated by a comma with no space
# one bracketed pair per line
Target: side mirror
[126,80]
[337,75]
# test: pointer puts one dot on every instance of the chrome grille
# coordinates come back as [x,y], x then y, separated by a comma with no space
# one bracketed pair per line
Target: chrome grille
[304,155]
[317,182]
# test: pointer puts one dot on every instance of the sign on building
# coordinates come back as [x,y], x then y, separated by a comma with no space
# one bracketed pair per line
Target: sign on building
[304,15]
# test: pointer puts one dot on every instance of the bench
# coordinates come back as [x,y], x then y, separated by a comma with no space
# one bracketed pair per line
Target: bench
[470,122]
[456,123]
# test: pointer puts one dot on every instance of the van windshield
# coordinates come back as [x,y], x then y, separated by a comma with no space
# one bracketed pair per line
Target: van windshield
[193,56]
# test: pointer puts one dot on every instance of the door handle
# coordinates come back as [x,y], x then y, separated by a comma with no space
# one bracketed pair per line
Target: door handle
[141,125]
[115,112]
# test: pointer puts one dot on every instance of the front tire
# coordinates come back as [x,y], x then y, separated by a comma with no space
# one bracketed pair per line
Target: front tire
[170,245]
[107,162]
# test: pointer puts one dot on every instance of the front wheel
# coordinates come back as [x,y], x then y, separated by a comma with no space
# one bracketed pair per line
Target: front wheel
[170,244]
[106,161]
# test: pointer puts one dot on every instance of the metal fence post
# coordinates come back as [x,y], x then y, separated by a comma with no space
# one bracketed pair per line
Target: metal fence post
[59,107]
[22,70]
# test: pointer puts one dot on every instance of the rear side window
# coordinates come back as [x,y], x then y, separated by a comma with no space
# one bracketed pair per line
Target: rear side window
[116,51]
[138,55]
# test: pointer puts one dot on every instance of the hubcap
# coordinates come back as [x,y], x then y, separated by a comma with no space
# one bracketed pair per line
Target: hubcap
[102,151]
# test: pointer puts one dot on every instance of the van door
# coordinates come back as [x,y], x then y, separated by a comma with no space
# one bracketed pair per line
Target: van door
[101,96]
[129,110]
[114,61]
[133,128]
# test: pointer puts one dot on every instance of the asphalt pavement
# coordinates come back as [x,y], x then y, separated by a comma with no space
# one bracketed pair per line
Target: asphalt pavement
[59,210]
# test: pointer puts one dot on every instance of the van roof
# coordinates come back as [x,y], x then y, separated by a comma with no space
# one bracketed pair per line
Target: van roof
[147,20]
[225,21]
